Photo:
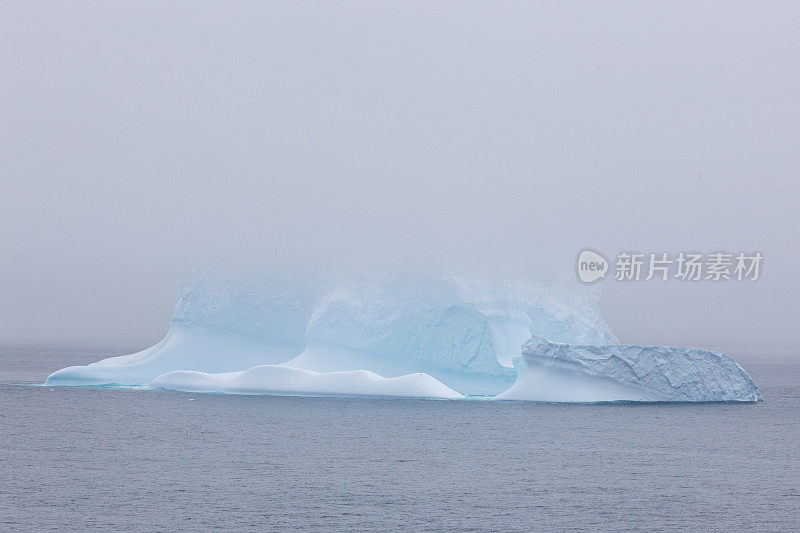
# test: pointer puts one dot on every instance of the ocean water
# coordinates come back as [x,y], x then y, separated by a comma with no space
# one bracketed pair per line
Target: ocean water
[108,459]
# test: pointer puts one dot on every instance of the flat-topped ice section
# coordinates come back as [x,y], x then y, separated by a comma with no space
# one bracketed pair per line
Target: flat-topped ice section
[556,372]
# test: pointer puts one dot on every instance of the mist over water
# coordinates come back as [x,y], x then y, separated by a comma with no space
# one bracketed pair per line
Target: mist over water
[140,140]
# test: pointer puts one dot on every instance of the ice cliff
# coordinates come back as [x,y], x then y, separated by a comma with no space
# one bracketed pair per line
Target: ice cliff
[443,335]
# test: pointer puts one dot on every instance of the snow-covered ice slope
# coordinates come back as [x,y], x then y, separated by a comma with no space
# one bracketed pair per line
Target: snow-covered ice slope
[284,380]
[184,348]
[462,330]
[559,372]
[218,325]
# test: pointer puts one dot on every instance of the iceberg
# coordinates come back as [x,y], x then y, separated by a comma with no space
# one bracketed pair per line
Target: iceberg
[459,329]
[442,335]
[558,372]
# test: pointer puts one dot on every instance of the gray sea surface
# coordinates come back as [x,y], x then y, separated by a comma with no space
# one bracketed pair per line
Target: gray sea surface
[112,459]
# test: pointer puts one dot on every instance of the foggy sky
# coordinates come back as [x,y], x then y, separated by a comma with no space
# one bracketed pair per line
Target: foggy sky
[140,138]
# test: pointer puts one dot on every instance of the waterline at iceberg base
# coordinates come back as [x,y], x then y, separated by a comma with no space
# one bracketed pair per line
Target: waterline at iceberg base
[434,336]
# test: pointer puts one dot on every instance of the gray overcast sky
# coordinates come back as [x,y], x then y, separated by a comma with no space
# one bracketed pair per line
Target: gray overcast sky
[137,138]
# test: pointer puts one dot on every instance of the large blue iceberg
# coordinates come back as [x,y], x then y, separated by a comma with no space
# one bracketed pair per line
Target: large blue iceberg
[434,336]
